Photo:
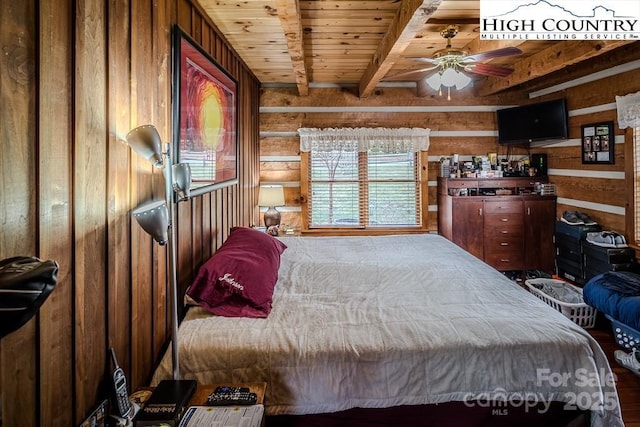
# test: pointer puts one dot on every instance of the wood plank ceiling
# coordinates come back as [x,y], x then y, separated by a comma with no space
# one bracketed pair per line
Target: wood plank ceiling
[365,42]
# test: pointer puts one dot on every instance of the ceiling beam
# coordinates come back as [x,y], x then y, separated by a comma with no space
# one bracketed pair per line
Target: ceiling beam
[409,20]
[551,59]
[289,14]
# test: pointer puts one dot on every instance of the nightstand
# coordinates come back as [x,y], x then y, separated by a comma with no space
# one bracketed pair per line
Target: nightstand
[199,398]
[203,391]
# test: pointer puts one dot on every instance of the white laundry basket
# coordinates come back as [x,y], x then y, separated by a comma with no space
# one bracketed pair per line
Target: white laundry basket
[581,313]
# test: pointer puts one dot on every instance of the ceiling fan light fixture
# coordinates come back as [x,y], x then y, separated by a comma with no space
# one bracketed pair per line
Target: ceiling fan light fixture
[449,77]
[434,81]
[462,80]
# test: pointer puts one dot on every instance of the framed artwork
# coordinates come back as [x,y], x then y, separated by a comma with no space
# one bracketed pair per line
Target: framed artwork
[598,143]
[205,116]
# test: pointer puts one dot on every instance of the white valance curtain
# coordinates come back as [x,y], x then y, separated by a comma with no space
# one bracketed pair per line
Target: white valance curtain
[628,110]
[381,140]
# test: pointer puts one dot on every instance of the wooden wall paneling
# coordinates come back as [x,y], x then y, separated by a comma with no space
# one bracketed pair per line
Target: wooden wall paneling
[143,247]
[196,25]
[279,171]
[162,20]
[18,214]
[382,97]
[465,145]
[242,154]
[90,172]
[608,221]
[290,121]
[603,91]
[424,189]
[184,231]
[219,47]
[118,192]
[567,157]
[226,218]
[445,118]
[594,190]
[198,233]
[280,146]
[207,230]
[74,204]
[220,206]
[183,15]
[571,158]
[55,373]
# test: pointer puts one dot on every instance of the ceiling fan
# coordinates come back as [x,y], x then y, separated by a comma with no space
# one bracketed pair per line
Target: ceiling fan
[451,62]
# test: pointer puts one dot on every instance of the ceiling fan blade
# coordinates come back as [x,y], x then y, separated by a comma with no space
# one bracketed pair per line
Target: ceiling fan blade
[429,60]
[490,54]
[408,73]
[488,70]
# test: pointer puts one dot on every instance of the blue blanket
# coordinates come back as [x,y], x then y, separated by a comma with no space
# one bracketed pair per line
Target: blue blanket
[617,294]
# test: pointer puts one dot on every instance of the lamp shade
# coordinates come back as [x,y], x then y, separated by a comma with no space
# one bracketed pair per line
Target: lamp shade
[153,217]
[462,80]
[146,141]
[449,76]
[271,195]
[182,180]
[434,81]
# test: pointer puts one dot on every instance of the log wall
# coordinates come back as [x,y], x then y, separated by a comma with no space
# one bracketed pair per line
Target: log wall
[75,77]
[466,125]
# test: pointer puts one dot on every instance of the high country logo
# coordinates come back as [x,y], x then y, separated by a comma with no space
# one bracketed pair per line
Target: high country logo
[560,20]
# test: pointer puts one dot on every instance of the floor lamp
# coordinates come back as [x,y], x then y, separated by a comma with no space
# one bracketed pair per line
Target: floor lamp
[156,217]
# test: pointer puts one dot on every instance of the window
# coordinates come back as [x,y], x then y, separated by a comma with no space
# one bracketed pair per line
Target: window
[363,177]
[628,109]
[363,189]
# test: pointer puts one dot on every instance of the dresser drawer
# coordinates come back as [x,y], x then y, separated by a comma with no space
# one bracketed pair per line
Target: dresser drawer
[503,244]
[495,222]
[504,231]
[499,207]
[503,261]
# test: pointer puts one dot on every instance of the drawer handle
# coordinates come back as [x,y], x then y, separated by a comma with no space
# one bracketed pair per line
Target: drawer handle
[504,219]
[504,260]
[504,232]
[504,244]
[480,211]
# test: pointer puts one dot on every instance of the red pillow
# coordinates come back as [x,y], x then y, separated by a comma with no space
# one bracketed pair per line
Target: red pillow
[238,280]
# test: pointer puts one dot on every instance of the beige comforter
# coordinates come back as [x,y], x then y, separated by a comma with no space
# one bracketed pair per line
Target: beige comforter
[397,320]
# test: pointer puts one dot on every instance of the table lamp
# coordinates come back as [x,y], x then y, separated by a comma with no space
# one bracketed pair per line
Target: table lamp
[271,196]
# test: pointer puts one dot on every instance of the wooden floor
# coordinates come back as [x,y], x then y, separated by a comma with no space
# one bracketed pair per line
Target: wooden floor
[628,384]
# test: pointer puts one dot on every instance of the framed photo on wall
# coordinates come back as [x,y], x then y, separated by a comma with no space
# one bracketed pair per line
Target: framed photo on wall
[598,143]
[205,116]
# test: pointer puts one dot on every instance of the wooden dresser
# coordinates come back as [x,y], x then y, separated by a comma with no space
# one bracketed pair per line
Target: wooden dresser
[499,220]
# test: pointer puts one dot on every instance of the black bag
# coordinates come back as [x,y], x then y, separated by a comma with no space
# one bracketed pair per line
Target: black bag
[25,283]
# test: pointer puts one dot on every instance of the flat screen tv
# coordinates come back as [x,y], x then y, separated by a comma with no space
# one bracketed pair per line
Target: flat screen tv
[533,122]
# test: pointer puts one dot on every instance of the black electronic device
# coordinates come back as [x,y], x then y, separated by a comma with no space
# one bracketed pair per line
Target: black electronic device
[533,122]
[236,398]
[539,162]
[166,404]
[120,394]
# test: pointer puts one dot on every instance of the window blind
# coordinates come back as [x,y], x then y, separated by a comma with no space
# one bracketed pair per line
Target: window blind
[363,189]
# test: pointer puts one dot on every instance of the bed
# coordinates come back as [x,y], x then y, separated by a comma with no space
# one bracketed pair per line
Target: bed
[401,321]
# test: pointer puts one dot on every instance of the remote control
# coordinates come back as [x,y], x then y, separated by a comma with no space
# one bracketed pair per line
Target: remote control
[241,398]
[228,389]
